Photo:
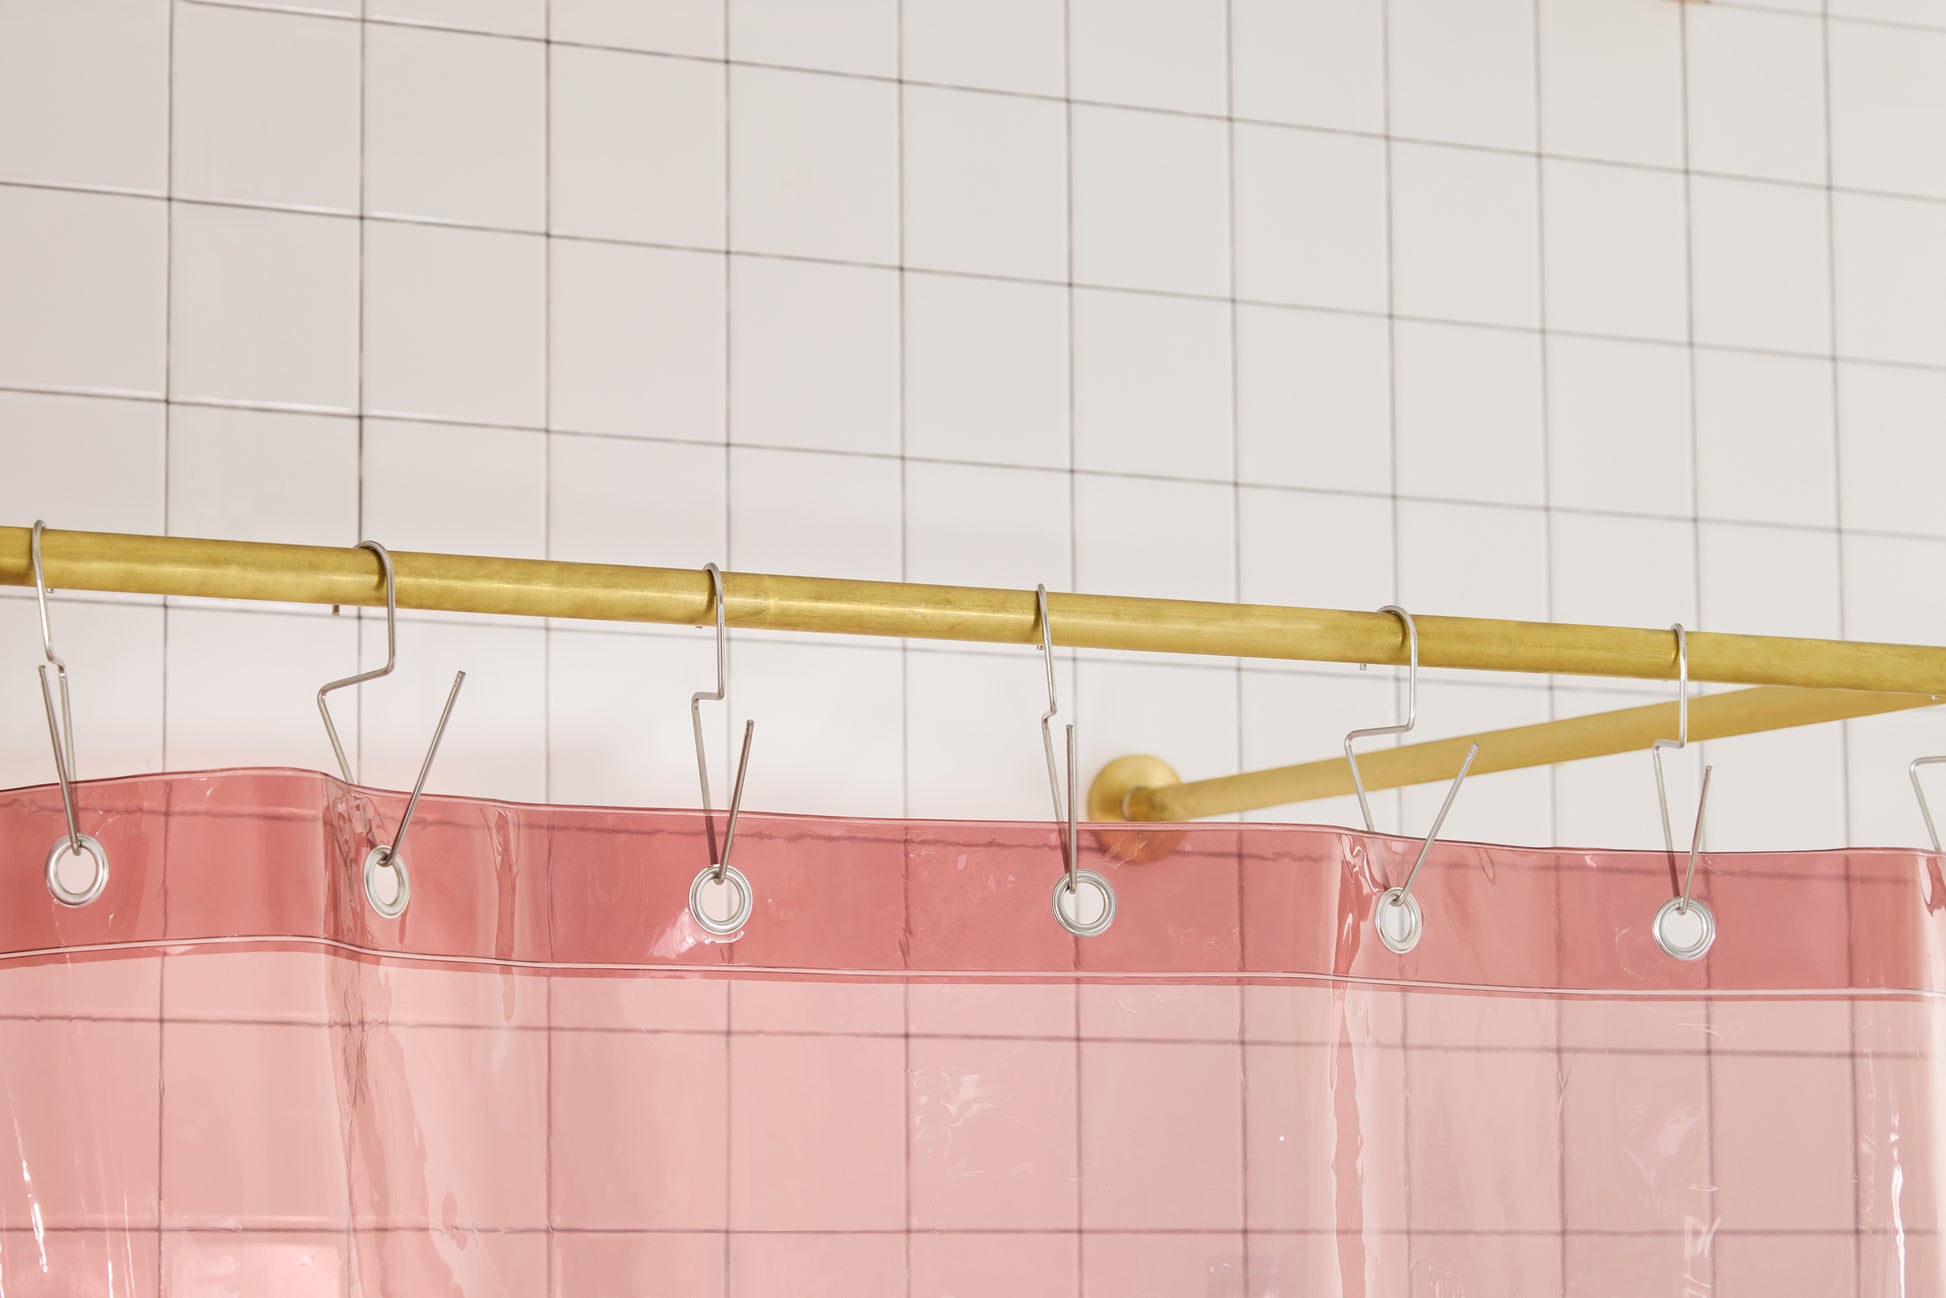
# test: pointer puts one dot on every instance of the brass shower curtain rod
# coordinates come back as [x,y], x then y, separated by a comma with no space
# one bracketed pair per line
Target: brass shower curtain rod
[1872,677]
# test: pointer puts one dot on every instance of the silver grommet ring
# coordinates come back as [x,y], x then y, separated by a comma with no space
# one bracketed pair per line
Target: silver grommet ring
[746,900]
[380,858]
[1067,905]
[1399,920]
[64,848]
[1683,933]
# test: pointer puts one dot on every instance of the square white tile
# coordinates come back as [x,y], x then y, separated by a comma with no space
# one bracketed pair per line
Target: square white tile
[1619,426]
[1154,538]
[455,127]
[263,307]
[618,731]
[1762,265]
[830,727]
[644,504]
[1293,716]
[1617,250]
[985,183]
[972,734]
[87,290]
[1314,400]
[1473,560]
[1310,218]
[1148,53]
[1184,712]
[1310,550]
[1756,93]
[1770,580]
[250,475]
[976,525]
[1882,601]
[455,324]
[507,17]
[451,489]
[1465,235]
[1610,571]
[1017,45]
[1878,751]
[241,688]
[1595,57]
[1151,201]
[1765,447]
[1891,452]
[1891,271]
[85,464]
[816,514]
[986,370]
[814,355]
[1152,385]
[92,77]
[1463,73]
[636,147]
[670,26]
[1470,413]
[637,341]
[1888,100]
[1308,64]
[266,107]
[1783,791]
[860,36]
[1503,807]
[496,744]
[814,165]
[114,658]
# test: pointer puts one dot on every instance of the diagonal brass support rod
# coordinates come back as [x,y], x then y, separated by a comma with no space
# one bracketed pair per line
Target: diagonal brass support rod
[1138,788]
[166,565]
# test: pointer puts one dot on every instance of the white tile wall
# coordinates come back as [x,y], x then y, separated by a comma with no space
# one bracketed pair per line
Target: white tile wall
[1621,312]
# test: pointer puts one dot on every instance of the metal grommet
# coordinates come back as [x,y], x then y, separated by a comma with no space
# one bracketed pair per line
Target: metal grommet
[63,848]
[1070,919]
[746,900]
[1684,934]
[379,858]
[1399,920]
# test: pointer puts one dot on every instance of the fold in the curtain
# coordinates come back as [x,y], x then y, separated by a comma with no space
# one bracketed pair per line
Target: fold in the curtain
[230,1075]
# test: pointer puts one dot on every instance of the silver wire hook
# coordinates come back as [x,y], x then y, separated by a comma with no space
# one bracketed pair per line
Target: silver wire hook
[61,735]
[1694,937]
[1411,712]
[391,657]
[1070,848]
[1919,791]
[1680,742]
[388,855]
[721,866]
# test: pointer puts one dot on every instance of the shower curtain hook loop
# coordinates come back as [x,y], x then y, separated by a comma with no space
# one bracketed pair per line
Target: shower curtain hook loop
[1684,926]
[719,871]
[1682,734]
[391,656]
[1397,916]
[1067,895]
[1919,791]
[1411,712]
[61,734]
[388,856]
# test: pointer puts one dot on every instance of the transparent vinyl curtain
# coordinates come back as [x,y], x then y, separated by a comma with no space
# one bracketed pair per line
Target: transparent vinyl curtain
[229,1076]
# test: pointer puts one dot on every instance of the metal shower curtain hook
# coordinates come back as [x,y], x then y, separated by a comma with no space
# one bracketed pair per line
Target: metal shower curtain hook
[1067,895]
[1411,712]
[389,857]
[1919,792]
[720,872]
[1683,927]
[61,734]
[1397,916]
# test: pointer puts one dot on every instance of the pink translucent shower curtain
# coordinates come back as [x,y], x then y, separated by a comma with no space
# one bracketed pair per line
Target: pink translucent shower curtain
[228,1075]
